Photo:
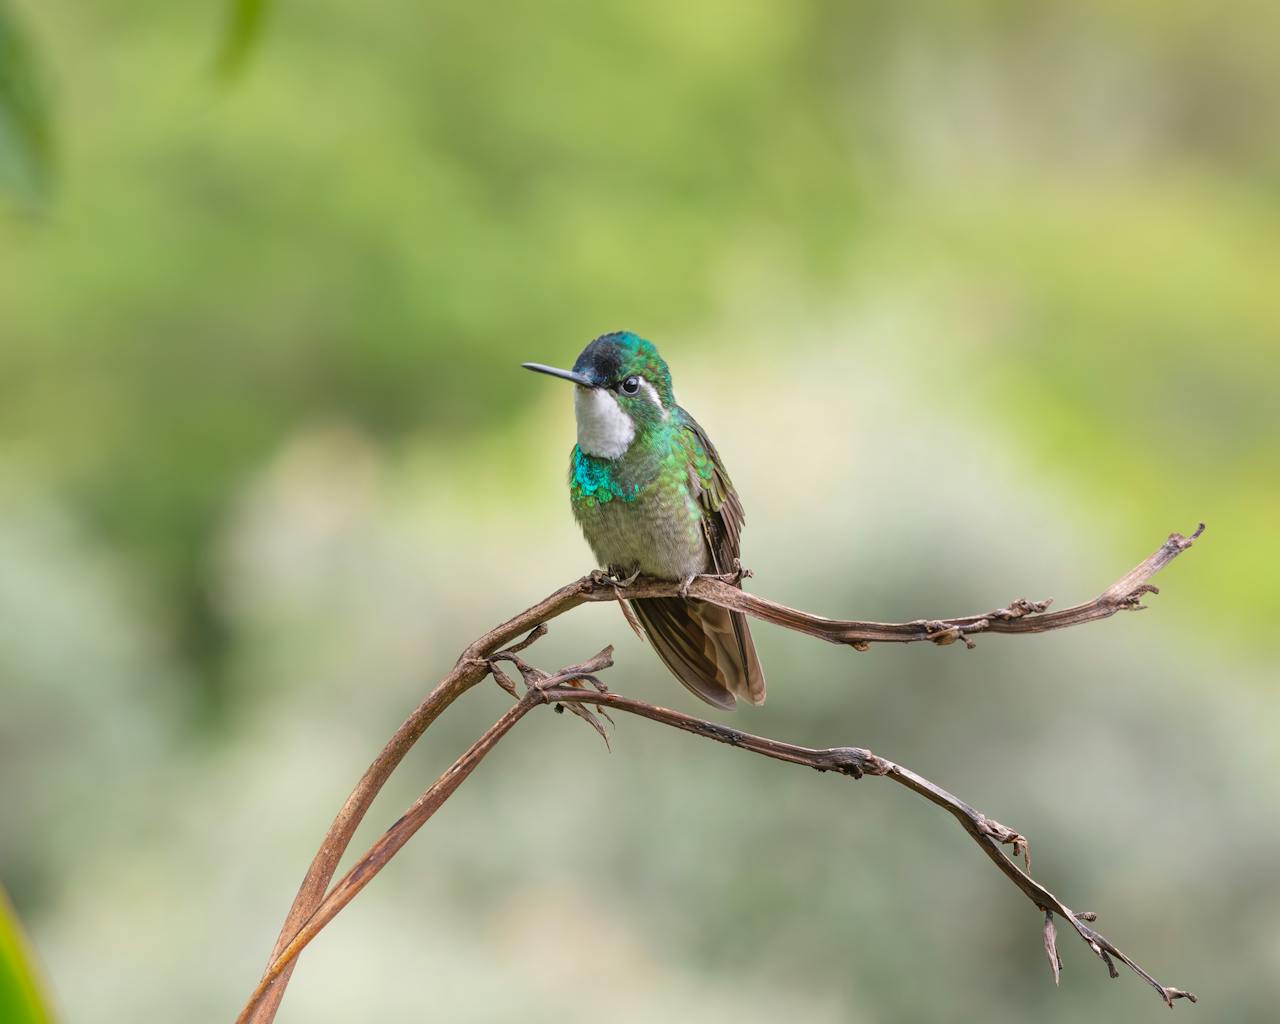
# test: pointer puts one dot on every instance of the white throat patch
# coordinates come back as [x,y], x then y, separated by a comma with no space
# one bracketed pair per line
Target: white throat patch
[604,430]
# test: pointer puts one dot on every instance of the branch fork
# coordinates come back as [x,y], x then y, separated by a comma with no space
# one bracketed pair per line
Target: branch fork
[579,688]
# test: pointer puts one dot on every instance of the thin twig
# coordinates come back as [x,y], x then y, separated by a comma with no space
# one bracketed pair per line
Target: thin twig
[473,665]
[1020,616]
[988,833]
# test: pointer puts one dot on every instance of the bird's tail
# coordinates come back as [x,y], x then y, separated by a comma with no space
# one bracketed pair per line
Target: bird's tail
[706,647]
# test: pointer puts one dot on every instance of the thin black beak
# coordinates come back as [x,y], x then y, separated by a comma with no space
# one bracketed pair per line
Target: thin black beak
[578,378]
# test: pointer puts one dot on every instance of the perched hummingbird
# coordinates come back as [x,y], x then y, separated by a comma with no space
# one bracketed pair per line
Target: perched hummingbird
[652,496]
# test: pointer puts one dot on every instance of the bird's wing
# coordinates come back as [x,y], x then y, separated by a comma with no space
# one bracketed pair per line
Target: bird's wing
[726,640]
[709,482]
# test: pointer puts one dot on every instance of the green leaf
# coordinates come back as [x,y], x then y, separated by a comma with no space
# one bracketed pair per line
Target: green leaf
[20,999]
[243,30]
[26,142]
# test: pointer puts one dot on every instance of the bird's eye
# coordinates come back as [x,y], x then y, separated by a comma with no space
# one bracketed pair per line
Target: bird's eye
[630,386]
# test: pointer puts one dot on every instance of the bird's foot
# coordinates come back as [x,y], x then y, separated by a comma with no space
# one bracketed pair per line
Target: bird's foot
[734,578]
[612,578]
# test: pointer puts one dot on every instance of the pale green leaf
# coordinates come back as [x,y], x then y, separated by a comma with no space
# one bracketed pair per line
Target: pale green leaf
[21,1001]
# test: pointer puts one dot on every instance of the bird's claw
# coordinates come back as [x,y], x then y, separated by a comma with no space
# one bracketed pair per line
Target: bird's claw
[610,578]
[733,578]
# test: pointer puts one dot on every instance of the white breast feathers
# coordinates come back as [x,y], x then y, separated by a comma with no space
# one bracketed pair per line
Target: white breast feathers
[604,429]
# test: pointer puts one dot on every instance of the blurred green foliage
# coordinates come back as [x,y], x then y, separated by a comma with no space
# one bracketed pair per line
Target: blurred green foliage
[243,30]
[444,211]
[26,142]
[391,210]
[950,283]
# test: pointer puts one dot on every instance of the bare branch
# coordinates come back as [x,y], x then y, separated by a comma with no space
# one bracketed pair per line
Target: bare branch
[989,834]
[472,666]
[382,851]
[1020,616]
[855,762]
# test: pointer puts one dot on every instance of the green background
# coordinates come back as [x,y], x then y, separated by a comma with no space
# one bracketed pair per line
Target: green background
[978,300]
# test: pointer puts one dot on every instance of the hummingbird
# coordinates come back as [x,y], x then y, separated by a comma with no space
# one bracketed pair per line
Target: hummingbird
[652,496]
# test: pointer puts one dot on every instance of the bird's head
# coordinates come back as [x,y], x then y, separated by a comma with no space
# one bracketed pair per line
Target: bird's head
[623,389]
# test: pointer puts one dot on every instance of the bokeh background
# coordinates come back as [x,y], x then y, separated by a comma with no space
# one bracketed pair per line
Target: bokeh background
[979,300]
